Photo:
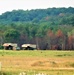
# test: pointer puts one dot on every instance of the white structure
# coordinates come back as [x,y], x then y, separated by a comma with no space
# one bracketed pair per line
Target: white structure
[29,46]
[10,46]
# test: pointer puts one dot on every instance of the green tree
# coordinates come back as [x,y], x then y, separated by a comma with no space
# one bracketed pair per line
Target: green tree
[11,35]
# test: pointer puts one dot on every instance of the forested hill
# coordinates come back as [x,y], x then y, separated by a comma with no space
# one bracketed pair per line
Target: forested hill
[55,16]
[51,28]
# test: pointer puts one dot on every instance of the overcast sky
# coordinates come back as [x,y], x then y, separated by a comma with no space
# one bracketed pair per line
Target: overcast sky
[9,5]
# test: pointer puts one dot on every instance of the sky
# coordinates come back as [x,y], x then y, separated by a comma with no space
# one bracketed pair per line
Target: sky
[9,5]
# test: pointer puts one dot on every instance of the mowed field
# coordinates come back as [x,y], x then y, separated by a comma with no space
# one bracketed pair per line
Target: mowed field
[48,62]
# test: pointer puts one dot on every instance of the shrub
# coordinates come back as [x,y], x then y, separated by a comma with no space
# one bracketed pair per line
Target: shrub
[1,47]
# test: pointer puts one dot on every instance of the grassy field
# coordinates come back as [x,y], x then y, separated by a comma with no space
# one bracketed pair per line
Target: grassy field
[48,62]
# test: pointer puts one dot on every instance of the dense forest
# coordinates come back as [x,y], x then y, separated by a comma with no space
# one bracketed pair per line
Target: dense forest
[51,28]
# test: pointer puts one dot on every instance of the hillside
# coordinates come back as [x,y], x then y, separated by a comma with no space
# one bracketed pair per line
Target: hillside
[55,16]
[51,28]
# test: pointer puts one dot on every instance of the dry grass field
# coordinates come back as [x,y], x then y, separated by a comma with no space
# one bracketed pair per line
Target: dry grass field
[49,62]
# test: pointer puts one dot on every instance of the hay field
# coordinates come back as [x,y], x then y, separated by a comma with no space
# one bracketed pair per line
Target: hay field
[49,62]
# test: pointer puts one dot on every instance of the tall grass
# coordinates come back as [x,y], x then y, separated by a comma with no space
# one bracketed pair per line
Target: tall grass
[47,72]
[12,60]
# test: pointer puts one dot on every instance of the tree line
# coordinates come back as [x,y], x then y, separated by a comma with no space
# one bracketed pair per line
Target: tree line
[51,28]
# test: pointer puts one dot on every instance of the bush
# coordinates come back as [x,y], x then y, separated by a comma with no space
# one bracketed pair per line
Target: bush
[1,47]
